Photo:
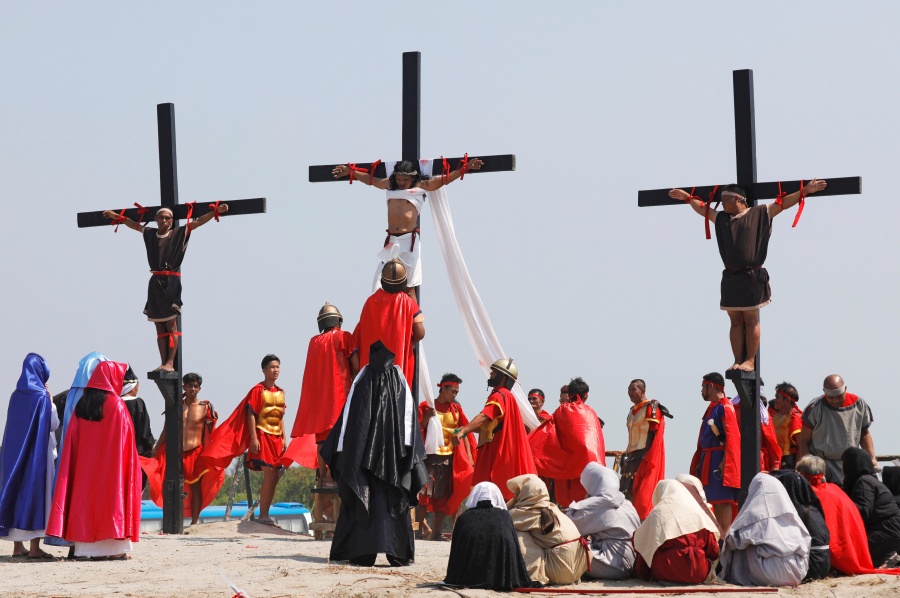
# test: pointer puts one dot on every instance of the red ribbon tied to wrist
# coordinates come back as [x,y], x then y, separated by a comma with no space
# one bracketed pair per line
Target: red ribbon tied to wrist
[779,199]
[142,211]
[463,166]
[802,203]
[372,170]
[445,171]
[190,205]
[118,220]
[712,195]
[354,168]
[215,209]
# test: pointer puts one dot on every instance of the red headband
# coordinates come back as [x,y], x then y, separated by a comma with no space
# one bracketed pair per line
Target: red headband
[536,395]
[814,480]
[785,395]
[451,384]
[711,383]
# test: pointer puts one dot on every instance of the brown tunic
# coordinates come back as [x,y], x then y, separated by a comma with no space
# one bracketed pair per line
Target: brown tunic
[743,243]
[164,254]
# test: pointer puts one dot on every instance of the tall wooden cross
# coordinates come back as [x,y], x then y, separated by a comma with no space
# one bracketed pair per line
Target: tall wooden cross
[169,383]
[411,135]
[748,383]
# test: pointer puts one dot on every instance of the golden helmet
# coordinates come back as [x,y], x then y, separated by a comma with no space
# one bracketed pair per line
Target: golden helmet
[393,276]
[507,367]
[329,317]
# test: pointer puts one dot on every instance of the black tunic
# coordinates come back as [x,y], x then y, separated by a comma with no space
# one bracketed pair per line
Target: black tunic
[143,436]
[810,510]
[164,255]
[378,476]
[485,551]
[743,245]
[876,504]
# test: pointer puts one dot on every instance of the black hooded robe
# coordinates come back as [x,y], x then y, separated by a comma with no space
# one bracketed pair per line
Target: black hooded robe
[377,473]
[876,504]
[809,508]
[485,551]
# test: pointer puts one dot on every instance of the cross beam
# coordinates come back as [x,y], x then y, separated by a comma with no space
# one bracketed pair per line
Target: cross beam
[169,383]
[748,383]
[411,137]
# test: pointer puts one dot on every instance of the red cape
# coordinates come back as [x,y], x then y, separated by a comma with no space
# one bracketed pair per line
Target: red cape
[651,470]
[388,317]
[508,455]
[563,445]
[231,438]
[849,544]
[155,468]
[543,416]
[769,450]
[463,468]
[326,382]
[98,484]
[732,473]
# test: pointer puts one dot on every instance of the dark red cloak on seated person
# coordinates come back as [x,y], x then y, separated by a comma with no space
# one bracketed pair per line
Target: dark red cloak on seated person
[849,544]
[326,382]
[565,444]
[651,470]
[388,317]
[463,467]
[232,438]
[98,483]
[508,455]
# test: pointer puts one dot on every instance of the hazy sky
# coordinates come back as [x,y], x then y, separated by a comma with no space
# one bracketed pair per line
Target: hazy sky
[596,99]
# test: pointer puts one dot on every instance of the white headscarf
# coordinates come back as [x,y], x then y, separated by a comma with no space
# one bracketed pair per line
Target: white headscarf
[486,491]
[675,513]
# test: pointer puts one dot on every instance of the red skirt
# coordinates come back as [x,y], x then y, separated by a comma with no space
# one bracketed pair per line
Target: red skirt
[189,461]
[271,448]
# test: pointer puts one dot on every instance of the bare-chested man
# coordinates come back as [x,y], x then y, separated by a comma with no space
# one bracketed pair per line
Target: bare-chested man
[743,237]
[165,252]
[406,190]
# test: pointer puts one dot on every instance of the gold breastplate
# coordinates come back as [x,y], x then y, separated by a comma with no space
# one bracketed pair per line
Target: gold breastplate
[449,422]
[194,426]
[638,428]
[270,416]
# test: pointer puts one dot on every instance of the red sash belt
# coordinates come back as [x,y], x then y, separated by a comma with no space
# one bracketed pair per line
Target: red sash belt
[165,273]
[584,544]
[707,461]
[412,243]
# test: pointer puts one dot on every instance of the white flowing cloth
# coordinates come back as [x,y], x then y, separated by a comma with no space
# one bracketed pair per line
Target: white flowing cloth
[767,544]
[486,491]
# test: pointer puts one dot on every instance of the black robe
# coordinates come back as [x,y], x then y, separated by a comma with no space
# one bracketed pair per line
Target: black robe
[890,476]
[485,551]
[164,255]
[378,475]
[810,510]
[876,504]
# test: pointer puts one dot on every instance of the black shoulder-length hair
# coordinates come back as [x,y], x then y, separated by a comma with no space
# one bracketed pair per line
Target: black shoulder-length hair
[90,407]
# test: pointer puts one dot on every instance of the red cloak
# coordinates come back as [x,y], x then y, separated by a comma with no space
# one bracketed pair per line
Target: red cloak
[849,544]
[98,484]
[508,455]
[652,467]
[326,382]
[388,317]
[463,467]
[566,443]
[732,471]
[769,449]
[543,416]
[232,438]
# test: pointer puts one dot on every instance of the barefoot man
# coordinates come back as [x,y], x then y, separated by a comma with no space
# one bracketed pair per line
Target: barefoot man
[743,237]
[165,252]
[406,191]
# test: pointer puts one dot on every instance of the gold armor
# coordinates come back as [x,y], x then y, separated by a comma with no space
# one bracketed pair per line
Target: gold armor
[639,425]
[486,433]
[270,416]
[449,422]
[193,426]
[506,366]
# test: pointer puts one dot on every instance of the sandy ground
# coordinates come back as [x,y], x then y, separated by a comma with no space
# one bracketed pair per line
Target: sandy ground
[266,562]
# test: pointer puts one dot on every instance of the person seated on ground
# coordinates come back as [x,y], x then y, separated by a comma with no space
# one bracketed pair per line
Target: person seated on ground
[890,476]
[484,552]
[608,520]
[554,551]
[879,511]
[695,487]
[767,543]
[678,542]
[810,510]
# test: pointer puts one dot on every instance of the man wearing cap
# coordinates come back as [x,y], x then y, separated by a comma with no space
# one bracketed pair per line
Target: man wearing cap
[503,449]
[832,423]
[406,192]
[165,246]
[787,419]
[331,364]
[143,435]
[717,461]
[743,234]
[393,317]
[450,467]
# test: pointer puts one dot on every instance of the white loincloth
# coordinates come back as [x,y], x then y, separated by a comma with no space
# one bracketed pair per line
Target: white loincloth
[399,247]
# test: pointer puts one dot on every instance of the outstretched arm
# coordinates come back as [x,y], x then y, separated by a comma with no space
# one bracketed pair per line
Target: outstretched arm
[198,222]
[342,170]
[128,221]
[437,182]
[791,200]
[698,204]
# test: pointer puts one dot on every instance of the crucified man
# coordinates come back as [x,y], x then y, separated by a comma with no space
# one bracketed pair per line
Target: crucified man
[165,246]
[743,234]
[406,189]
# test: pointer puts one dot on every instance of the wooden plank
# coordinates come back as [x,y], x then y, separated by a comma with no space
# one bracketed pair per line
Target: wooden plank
[768,190]
[497,163]
[237,207]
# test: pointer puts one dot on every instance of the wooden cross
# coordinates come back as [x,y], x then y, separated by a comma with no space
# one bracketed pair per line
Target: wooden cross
[411,135]
[169,383]
[748,383]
